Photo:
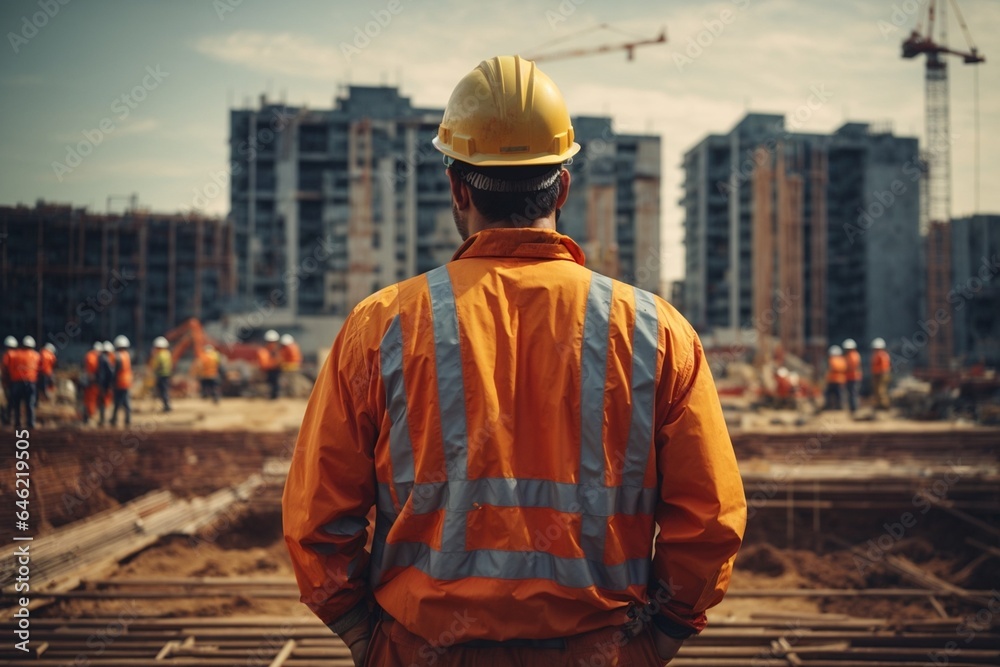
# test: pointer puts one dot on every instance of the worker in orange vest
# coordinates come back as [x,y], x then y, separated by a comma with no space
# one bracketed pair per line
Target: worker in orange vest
[836,378]
[10,345]
[854,374]
[209,372]
[522,426]
[881,367]
[46,370]
[123,381]
[23,367]
[269,358]
[291,359]
[109,390]
[92,398]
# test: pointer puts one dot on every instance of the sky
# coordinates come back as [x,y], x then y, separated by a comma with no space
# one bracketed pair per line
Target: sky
[110,97]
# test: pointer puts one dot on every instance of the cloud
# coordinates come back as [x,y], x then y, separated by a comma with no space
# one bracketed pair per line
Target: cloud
[283,53]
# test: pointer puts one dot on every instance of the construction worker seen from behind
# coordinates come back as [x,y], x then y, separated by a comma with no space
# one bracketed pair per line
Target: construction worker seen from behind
[291,361]
[522,426]
[836,378]
[88,381]
[209,372]
[123,381]
[881,367]
[46,370]
[24,363]
[854,373]
[9,345]
[105,377]
[269,358]
[162,363]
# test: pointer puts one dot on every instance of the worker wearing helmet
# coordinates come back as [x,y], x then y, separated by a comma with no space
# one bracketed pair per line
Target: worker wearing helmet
[123,381]
[209,372]
[92,399]
[106,377]
[881,367]
[23,368]
[854,373]
[269,358]
[9,344]
[522,426]
[162,364]
[46,370]
[291,358]
[836,378]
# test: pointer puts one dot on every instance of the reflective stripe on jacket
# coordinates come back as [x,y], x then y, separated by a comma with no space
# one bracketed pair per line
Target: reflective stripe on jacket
[522,426]
[853,360]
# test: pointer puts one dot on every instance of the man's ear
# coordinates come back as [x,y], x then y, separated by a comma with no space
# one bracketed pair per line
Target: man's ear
[459,191]
[564,182]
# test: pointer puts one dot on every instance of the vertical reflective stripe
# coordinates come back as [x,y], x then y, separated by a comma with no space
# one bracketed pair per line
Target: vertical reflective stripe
[451,397]
[593,371]
[400,446]
[645,339]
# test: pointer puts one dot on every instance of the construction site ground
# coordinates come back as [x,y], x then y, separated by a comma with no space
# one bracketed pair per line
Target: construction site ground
[870,542]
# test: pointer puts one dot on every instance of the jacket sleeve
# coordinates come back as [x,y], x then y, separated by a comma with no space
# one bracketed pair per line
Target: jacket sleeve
[701,514]
[331,487]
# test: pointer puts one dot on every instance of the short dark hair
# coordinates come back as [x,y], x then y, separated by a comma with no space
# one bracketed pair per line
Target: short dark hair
[519,208]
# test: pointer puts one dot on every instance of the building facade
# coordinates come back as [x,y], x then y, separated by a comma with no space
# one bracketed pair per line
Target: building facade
[330,205]
[974,295]
[808,238]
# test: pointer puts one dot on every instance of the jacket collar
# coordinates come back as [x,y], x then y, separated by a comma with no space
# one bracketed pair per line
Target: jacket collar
[522,243]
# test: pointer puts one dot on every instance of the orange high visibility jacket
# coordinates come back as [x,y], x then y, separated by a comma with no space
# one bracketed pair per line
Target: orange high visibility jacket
[5,361]
[268,358]
[836,371]
[48,361]
[853,359]
[880,362]
[23,365]
[208,365]
[291,357]
[123,370]
[90,363]
[522,425]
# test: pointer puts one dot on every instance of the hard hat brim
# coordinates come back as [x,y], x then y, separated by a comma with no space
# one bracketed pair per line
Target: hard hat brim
[507,159]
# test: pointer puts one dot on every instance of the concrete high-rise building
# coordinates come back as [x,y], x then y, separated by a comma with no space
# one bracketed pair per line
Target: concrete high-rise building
[331,205]
[974,295]
[809,238]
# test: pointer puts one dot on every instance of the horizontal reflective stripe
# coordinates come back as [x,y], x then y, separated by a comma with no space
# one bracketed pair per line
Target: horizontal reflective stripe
[346,526]
[645,341]
[516,565]
[513,492]
[400,446]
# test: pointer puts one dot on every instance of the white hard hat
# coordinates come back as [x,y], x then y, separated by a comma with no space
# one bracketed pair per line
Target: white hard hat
[98,345]
[878,344]
[28,341]
[108,347]
[835,351]
[160,342]
[50,347]
[271,336]
[287,339]
[782,372]
[849,344]
[121,341]
[10,341]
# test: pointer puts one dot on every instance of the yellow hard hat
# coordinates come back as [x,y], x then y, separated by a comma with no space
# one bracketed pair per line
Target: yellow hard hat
[506,113]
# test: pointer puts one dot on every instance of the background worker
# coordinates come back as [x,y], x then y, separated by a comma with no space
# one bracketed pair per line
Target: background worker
[162,364]
[836,377]
[269,359]
[291,360]
[513,391]
[88,381]
[46,370]
[123,381]
[24,363]
[209,372]
[854,373]
[105,378]
[881,367]
[9,345]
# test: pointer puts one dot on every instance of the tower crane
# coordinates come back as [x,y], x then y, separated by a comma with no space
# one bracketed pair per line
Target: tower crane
[936,202]
[628,47]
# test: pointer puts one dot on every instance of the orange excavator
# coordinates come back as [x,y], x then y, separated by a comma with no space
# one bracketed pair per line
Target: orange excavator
[190,335]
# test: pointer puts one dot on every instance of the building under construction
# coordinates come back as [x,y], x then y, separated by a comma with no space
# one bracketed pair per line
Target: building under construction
[808,238]
[87,276]
[330,205]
